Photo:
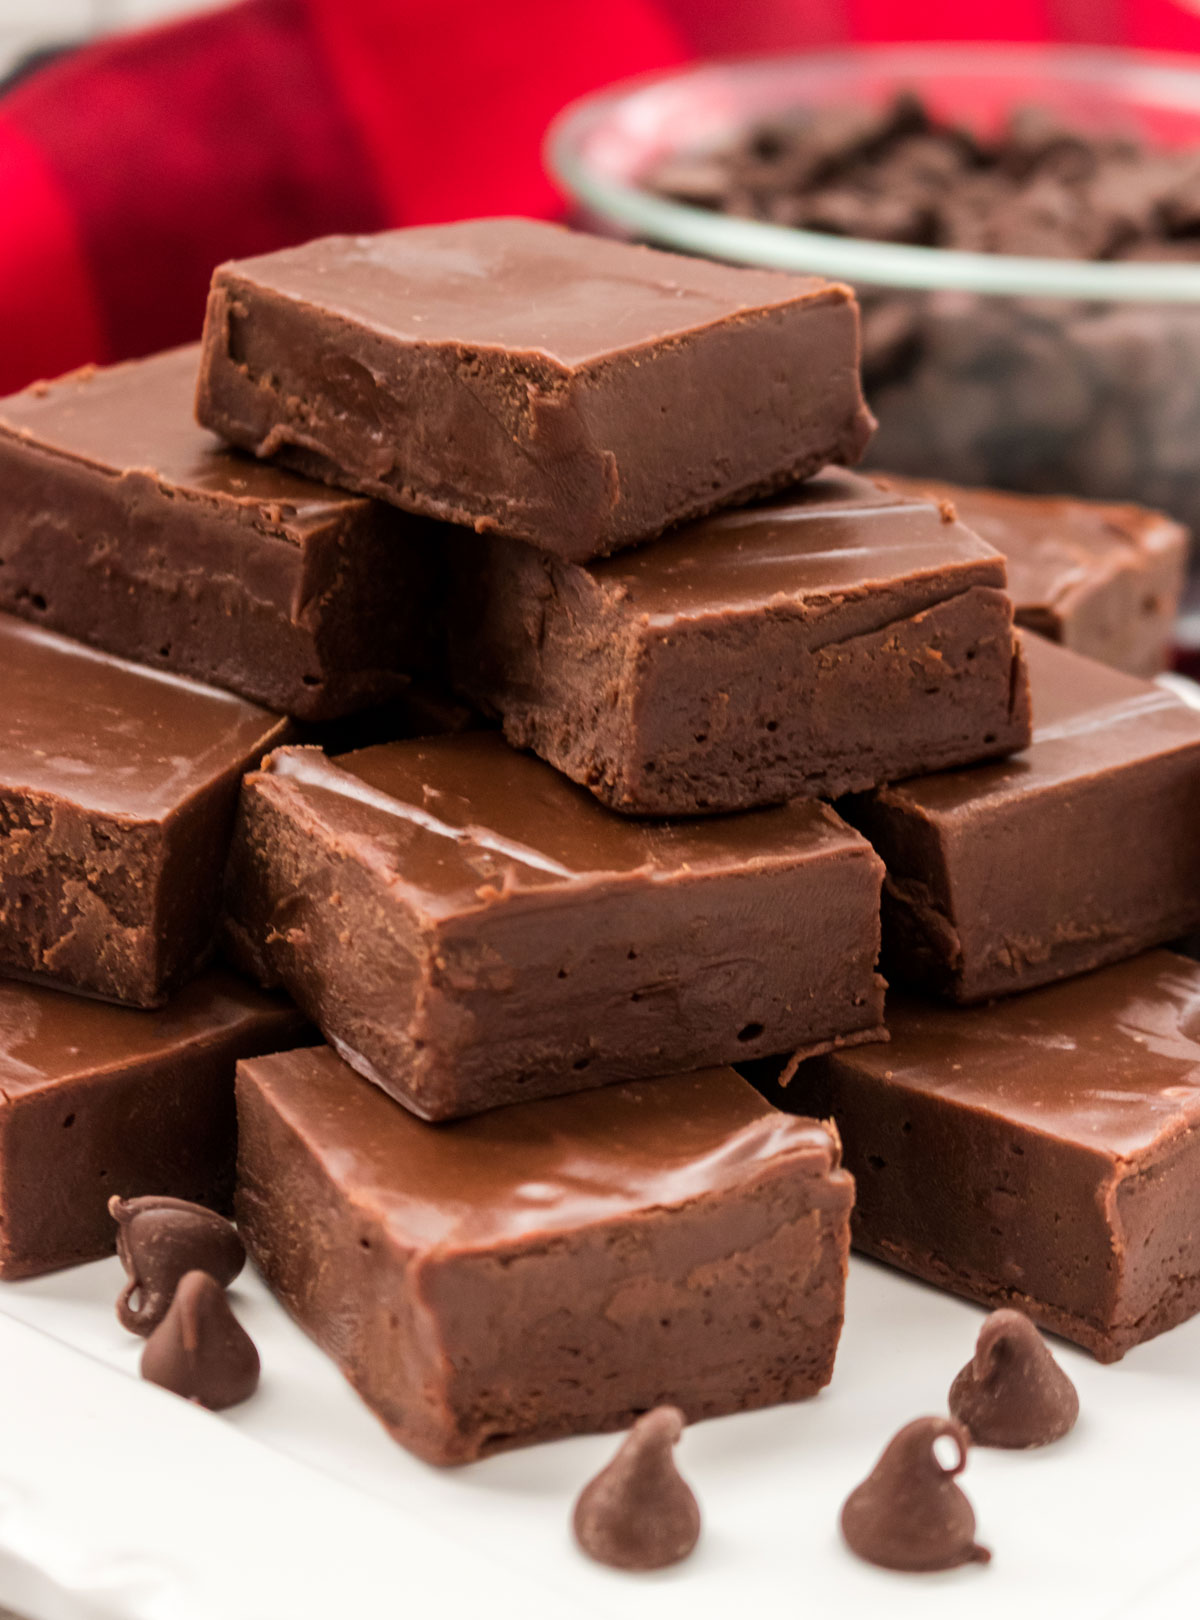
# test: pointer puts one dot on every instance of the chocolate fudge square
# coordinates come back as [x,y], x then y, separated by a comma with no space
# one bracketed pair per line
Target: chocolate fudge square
[578,392]
[118,787]
[549,1269]
[833,638]
[1041,1152]
[468,928]
[97,1100]
[131,528]
[1102,579]
[1079,851]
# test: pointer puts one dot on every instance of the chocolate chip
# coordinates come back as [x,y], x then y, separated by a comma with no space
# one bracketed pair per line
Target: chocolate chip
[638,1513]
[200,1350]
[158,1241]
[908,1513]
[1012,1392]
[1018,393]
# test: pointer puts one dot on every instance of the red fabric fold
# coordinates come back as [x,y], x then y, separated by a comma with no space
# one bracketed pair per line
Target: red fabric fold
[453,98]
[127,170]
[48,316]
[170,150]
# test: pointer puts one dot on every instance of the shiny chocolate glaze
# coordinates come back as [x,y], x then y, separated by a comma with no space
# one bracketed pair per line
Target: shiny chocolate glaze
[1080,850]
[578,392]
[117,791]
[471,929]
[110,1102]
[133,529]
[814,644]
[1061,1129]
[1102,579]
[551,1268]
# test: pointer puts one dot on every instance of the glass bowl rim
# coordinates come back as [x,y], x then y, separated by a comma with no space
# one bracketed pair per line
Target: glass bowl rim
[855,259]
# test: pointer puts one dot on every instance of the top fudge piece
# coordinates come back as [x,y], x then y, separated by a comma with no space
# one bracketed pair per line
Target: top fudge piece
[574,391]
[833,638]
[117,794]
[1102,579]
[131,528]
[469,929]
[1080,851]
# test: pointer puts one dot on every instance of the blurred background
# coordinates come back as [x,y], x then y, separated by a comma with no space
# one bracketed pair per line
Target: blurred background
[1025,243]
[28,27]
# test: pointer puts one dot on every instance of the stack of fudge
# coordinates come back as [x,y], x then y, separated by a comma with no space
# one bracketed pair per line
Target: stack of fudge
[488,984]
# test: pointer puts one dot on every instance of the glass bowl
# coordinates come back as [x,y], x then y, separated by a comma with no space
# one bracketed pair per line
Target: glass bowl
[1045,375]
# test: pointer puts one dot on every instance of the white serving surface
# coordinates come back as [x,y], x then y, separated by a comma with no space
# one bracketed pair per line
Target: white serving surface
[118,1500]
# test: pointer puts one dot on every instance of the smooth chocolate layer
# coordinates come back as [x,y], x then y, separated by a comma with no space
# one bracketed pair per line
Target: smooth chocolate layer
[549,1269]
[1102,579]
[575,391]
[131,528]
[469,929]
[117,793]
[1041,1152]
[1080,851]
[97,1101]
[833,638]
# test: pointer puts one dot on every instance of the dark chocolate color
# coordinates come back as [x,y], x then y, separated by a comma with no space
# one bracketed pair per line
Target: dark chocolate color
[548,1269]
[117,794]
[1080,851]
[158,1241]
[469,929]
[909,1514]
[1061,1132]
[1037,185]
[833,638]
[1012,1393]
[575,391]
[200,1350]
[1099,398]
[1101,579]
[131,528]
[99,1101]
[427,709]
[639,1513]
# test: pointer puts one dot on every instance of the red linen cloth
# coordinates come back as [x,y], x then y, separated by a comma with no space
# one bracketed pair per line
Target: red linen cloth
[128,169]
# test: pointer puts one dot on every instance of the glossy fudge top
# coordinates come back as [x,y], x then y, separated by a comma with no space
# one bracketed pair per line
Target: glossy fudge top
[112,736]
[537,1167]
[519,285]
[825,542]
[139,418]
[1054,545]
[1109,1061]
[467,821]
[47,1036]
[1087,718]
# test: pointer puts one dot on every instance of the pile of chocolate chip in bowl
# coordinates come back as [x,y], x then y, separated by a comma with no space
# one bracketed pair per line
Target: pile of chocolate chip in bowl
[470,744]
[1078,393]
